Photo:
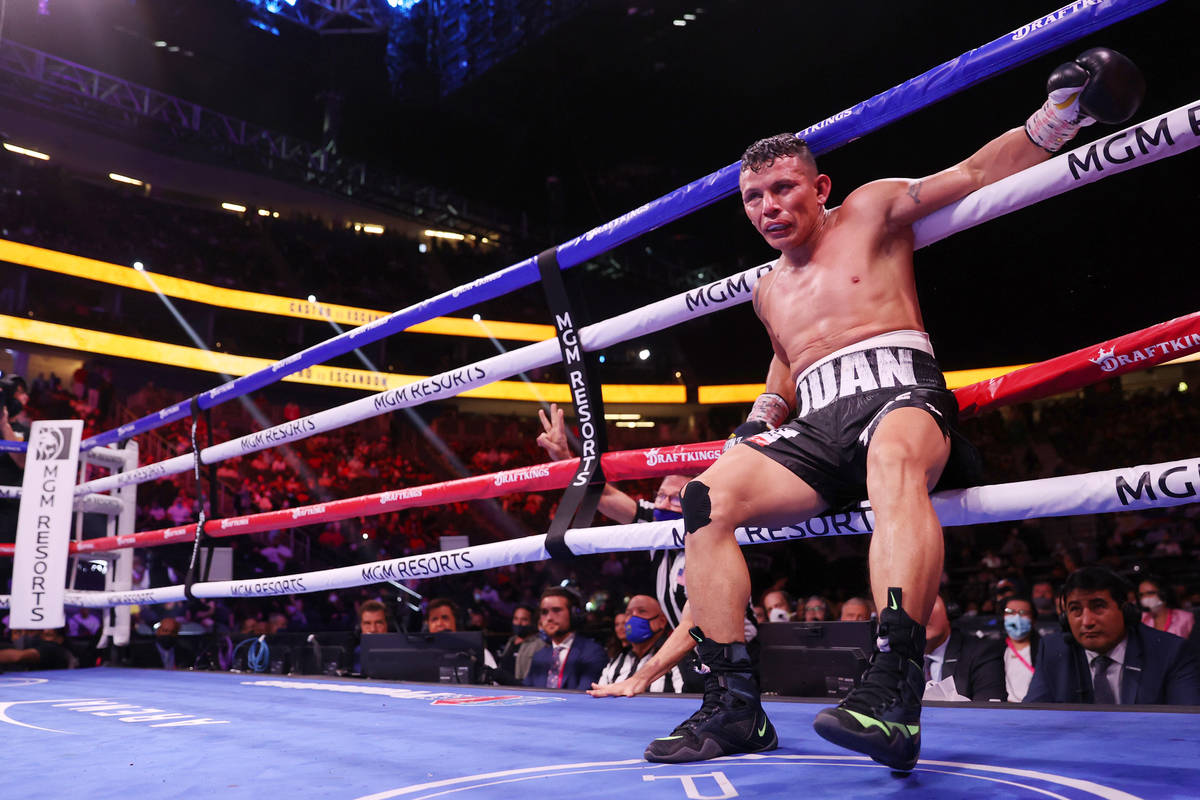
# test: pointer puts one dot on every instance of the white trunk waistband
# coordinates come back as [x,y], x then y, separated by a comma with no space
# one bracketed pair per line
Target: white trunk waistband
[913,340]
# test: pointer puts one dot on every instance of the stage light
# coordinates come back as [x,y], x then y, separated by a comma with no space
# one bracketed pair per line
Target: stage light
[264,212]
[125,179]
[25,151]
[312,298]
[236,207]
[643,354]
[375,229]
[139,266]
[458,237]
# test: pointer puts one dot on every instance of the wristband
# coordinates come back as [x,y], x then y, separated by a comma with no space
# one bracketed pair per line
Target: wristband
[769,408]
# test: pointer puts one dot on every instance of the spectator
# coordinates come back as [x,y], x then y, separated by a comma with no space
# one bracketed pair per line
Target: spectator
[13,653]
[619,640]
[1162,611]
[84,622]
[573,661]
[1108,656]
[1044,600]
[1020,646]
[646,631]
[372,618]
[779,606]
[51,648]
[166,639]
[14,427]
[441,616]
[514,657]
[972,668]
[856,609]
[816,609]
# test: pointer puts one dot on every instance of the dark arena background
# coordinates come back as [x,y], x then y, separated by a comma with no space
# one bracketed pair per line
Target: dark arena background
[306,272]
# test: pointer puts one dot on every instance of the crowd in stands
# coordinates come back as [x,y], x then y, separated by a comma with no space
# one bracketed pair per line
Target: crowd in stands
[49,207]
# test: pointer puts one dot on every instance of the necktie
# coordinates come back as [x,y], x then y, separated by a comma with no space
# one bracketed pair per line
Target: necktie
[1100,685]
[928,668]
[554,676]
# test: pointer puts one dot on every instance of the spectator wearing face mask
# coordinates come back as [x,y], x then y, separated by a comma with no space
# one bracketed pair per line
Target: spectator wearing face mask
[514,658]
[1159,609]
[646,630]
[779,606]
[1020,646]
[1043,597]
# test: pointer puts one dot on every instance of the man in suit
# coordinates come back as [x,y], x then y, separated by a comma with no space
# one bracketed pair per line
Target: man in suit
[976,664]
[572,661]
[1109,657]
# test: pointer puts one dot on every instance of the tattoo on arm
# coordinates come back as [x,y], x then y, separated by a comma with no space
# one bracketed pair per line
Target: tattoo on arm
[914,191]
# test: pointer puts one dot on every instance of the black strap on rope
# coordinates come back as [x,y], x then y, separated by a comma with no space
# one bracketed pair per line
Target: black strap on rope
[202,500]
[578,504]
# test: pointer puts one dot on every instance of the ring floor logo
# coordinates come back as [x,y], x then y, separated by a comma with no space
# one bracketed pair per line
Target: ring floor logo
[758,775]
[72,715]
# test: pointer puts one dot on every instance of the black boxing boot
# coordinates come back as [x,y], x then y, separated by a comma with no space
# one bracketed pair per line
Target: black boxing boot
[881,717]
[731,718]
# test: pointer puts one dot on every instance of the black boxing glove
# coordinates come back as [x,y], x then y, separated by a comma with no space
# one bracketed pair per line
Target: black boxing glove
[769,411]
[1101,85]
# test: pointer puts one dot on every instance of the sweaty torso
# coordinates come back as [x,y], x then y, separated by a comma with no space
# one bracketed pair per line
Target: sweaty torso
[857,283]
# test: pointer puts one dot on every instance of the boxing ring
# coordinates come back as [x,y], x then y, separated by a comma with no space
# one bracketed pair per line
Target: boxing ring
[375,739]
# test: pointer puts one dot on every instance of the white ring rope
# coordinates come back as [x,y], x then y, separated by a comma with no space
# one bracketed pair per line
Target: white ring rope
[105,504]
[1170,483]
[1166,135]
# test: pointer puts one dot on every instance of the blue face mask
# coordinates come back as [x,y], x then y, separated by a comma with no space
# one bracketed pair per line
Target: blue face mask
[1018,627]
[638,630]
[662,515]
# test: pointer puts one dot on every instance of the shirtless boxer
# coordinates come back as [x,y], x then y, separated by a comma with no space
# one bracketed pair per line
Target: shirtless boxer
[873,416]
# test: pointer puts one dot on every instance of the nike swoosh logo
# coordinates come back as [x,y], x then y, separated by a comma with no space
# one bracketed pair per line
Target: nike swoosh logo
[763,730]
[892,604]
[887,727]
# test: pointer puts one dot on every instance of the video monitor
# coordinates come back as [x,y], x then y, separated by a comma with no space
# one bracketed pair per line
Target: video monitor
[814,659]
[429,657]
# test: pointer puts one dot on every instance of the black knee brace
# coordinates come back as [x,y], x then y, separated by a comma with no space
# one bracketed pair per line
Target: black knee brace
[697,508]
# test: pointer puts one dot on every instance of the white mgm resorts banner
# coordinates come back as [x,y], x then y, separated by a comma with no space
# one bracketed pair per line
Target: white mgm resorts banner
[44,525]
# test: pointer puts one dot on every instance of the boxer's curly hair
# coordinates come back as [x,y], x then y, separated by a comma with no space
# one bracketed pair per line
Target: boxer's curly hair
[764,152]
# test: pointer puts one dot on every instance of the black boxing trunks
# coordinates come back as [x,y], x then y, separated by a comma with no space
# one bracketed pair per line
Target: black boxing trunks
[840,402]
